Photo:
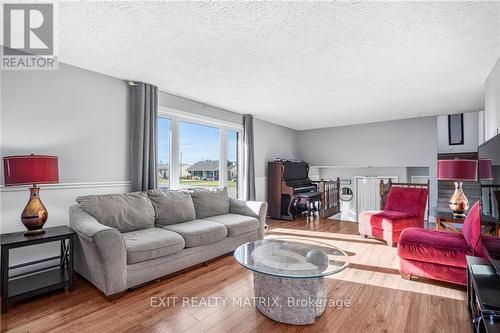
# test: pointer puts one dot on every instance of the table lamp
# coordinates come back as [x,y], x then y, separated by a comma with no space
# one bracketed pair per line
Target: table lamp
[27,170]
[458,170]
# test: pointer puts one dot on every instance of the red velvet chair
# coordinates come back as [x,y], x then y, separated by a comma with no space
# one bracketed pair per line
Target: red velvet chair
[440,255]
[405,207]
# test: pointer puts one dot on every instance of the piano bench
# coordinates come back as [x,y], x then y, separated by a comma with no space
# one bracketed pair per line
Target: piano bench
[308,199]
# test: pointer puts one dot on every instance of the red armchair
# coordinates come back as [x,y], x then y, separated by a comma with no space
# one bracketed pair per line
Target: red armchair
[440,255]
[405,207]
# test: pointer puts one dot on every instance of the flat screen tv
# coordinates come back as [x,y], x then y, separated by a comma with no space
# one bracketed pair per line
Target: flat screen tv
[489,176]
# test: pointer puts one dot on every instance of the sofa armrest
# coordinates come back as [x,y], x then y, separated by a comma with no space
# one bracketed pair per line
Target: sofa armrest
[257,209]
[100,254]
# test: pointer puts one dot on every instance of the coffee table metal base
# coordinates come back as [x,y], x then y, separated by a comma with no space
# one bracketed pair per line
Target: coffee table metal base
[295,301]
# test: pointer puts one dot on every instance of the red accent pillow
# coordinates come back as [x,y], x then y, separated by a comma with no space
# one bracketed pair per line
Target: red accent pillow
[406,199]
[472,230]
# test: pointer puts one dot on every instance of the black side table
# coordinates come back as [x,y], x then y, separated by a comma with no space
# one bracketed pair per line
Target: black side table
[16,287]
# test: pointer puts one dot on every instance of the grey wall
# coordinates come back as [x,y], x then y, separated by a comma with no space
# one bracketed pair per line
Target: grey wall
[408,142]
[78,115]
[492,103]
[271,141]
[399,143]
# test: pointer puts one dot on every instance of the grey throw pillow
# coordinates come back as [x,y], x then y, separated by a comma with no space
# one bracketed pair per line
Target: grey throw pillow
[125,211]
[172,207]
[210,202]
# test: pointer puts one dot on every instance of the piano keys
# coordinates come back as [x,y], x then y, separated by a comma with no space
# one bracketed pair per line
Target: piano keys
[286,179]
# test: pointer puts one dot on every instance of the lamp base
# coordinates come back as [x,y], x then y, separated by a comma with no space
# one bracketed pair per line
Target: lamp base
[459,203]
[34,232]
[34,214]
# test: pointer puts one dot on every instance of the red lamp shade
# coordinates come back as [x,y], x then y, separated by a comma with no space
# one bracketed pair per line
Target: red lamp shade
[485,169]
[30,169]
[465,170]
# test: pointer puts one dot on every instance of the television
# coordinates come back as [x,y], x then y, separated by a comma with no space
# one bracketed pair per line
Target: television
[489,178]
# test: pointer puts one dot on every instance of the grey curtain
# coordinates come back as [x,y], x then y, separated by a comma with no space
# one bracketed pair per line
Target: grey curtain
[143,108]
[248,159]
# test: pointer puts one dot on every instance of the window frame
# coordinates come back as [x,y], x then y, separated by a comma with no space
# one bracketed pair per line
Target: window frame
[169,152]
[177,116]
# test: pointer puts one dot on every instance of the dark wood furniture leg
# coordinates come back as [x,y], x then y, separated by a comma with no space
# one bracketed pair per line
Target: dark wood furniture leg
[5,277]
[71,262]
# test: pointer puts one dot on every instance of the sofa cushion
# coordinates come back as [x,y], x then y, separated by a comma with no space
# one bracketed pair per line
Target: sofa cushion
[151,243]
[124,211]
[172,207]
[407,199]
[471,230]
[445,248]
[210,202]
[387,220]
[236,224]
[199,232]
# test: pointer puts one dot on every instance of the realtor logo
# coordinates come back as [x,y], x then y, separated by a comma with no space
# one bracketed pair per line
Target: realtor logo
[28,36]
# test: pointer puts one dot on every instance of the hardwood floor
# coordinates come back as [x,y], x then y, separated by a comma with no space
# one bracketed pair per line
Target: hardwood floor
[380,300]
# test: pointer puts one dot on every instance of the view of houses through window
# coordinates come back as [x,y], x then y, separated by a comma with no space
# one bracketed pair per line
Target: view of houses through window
[200,154]
[199,148]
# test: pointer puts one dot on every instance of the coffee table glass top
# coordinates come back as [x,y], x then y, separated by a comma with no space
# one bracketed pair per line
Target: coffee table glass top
[291,257]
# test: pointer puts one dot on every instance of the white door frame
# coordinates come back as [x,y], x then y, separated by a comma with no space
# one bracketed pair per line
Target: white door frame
[356,178]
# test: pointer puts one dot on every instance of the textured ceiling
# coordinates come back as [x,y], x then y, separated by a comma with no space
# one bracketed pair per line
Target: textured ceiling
[300,64]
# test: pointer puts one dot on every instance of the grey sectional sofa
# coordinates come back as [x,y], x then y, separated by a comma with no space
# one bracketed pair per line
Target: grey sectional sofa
[125,240]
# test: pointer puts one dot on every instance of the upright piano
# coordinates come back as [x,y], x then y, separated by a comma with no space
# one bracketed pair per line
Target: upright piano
[286,179]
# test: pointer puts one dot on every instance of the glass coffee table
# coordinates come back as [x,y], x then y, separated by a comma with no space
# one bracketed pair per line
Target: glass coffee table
[288,276]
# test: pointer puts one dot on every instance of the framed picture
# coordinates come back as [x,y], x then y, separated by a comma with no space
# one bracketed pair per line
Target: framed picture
[456,129]
[345,182]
